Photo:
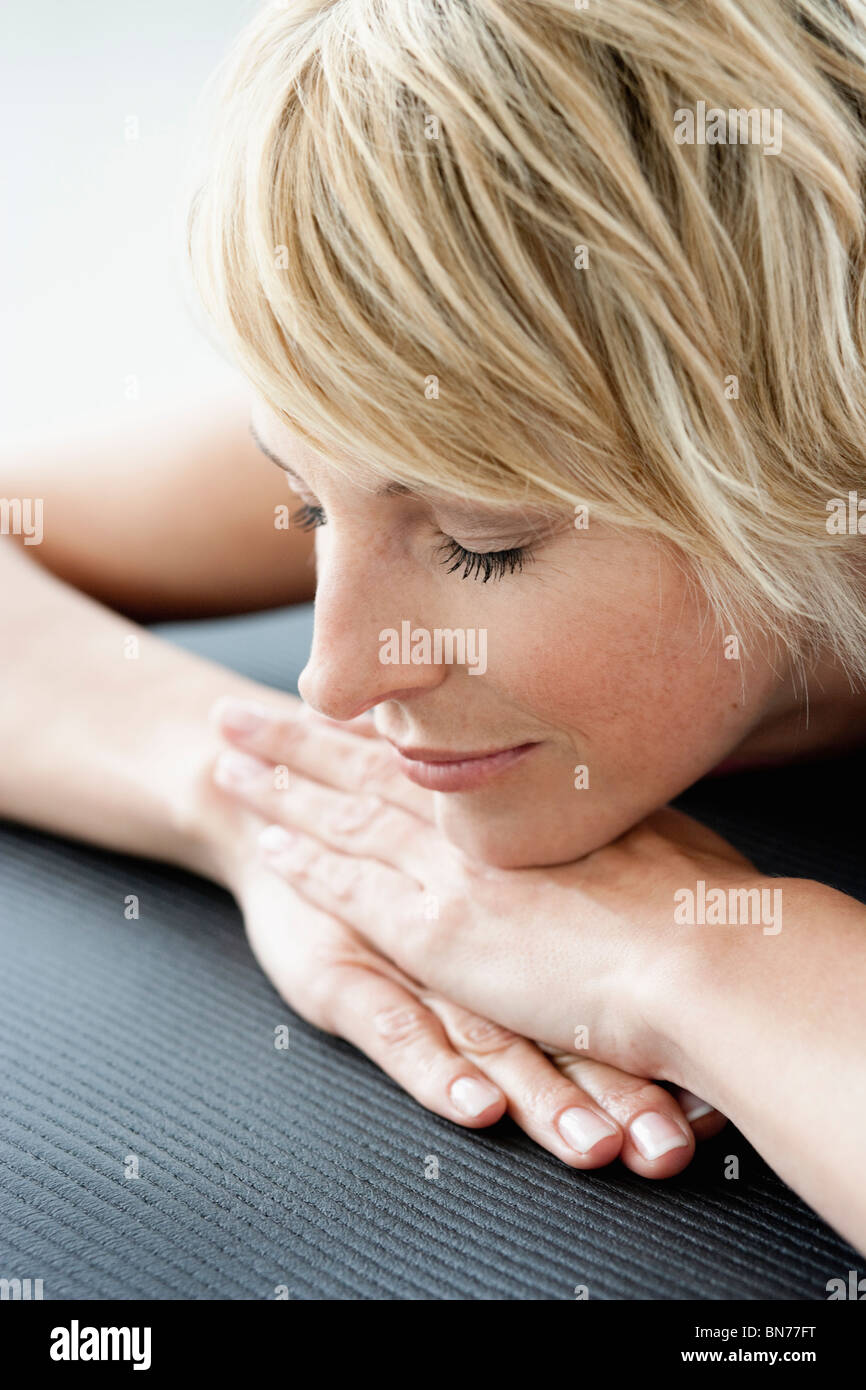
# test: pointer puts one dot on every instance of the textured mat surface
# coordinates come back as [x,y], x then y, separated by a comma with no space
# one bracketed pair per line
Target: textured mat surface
[152,1041]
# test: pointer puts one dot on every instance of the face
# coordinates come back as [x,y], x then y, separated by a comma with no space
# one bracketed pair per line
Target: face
[579,686]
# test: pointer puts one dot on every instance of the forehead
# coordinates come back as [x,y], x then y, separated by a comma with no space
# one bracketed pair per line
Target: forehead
[304,466]
[301,463]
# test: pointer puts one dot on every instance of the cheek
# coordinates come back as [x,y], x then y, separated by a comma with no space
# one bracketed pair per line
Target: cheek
[618,669]
[631,683]
[625,734]
[628,663]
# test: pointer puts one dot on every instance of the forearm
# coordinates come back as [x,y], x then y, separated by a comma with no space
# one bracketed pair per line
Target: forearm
[772,1031]
[104,727]
[175,513]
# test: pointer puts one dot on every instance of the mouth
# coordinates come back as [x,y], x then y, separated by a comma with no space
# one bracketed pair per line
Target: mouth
[441,771]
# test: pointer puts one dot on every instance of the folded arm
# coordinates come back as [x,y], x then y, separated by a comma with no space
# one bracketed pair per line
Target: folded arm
[760,1011]
[170,517]
[106,738]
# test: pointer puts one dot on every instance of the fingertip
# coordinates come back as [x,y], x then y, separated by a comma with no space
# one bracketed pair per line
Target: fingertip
[591,1138]
[704,1120]
[658,1145]
[238,718]
[708,1126]
[692,1106]
[215,713]
[220,712]
[235,771]
[275,840]
[476,1100]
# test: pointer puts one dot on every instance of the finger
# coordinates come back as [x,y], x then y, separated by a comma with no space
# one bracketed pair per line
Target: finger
[365,826]
[556,1113]
[332,879]
[406,1039]
[658,1141]
[704,1120]
[305,742]
[364,725]
[331,979]
[372,898]
[392,911]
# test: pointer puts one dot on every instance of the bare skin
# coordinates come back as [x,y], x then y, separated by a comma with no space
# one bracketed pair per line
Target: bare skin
[598,654]
[178,521]
[210,500]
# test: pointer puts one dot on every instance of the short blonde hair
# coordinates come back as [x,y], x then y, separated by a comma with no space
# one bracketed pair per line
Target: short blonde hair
[463,243]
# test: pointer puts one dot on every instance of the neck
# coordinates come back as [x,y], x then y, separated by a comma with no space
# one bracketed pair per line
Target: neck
[826,716]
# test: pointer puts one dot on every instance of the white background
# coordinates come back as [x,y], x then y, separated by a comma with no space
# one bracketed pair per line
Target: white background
[93,237]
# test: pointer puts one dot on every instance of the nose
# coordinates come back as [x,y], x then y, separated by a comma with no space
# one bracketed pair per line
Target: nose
[351,666]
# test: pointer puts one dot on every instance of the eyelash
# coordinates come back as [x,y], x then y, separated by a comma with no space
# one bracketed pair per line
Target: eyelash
[309,517]
[476,564]
[489,564]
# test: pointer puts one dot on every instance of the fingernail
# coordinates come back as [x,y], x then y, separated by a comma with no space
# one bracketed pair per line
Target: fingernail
[275,840]
[583,1129]
[472,1097]
[692,1106]
[655,1134]
[236,769]
[243,717]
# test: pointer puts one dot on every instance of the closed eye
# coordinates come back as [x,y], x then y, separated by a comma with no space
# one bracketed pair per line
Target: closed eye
[475,564]
[309,516]
[483,564]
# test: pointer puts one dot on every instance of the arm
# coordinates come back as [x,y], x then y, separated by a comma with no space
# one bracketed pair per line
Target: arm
[767,1025]
[170,518]
[104,726]
[106,738]
[774,1029]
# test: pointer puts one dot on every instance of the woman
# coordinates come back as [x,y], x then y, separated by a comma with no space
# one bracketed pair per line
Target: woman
[570,387]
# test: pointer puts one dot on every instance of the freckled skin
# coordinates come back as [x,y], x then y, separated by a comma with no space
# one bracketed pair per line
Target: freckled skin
[597,651]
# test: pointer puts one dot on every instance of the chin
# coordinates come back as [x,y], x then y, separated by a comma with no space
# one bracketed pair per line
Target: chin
[512,839]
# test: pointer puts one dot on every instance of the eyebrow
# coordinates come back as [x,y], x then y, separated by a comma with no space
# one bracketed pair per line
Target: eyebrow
[389,489]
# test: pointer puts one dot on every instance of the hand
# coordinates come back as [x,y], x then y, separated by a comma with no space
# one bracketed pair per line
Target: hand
[329,975]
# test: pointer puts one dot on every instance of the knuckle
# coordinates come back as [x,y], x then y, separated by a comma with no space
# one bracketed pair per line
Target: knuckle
[287,733]
[402,1025]
[357,813]
[545,1097]
[482,1036]
[635,1094]
[319,995]
[341,876]
[335,973]
[369,766]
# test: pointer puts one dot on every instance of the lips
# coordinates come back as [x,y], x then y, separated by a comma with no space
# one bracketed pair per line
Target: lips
[442,771]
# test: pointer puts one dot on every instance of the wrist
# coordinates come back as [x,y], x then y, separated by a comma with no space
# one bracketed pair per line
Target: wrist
[210,834]
[709,988]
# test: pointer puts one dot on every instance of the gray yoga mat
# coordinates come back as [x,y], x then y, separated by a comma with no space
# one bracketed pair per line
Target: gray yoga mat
[304,1170]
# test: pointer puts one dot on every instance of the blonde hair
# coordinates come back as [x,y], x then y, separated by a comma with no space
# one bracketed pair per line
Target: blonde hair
[387,239]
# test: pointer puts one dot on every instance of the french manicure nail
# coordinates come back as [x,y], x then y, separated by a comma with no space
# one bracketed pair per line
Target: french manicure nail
[275,840]
[583,1129]
[655,1134]
[236,769]
[244,717]
[472,1097]
[692,1106]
